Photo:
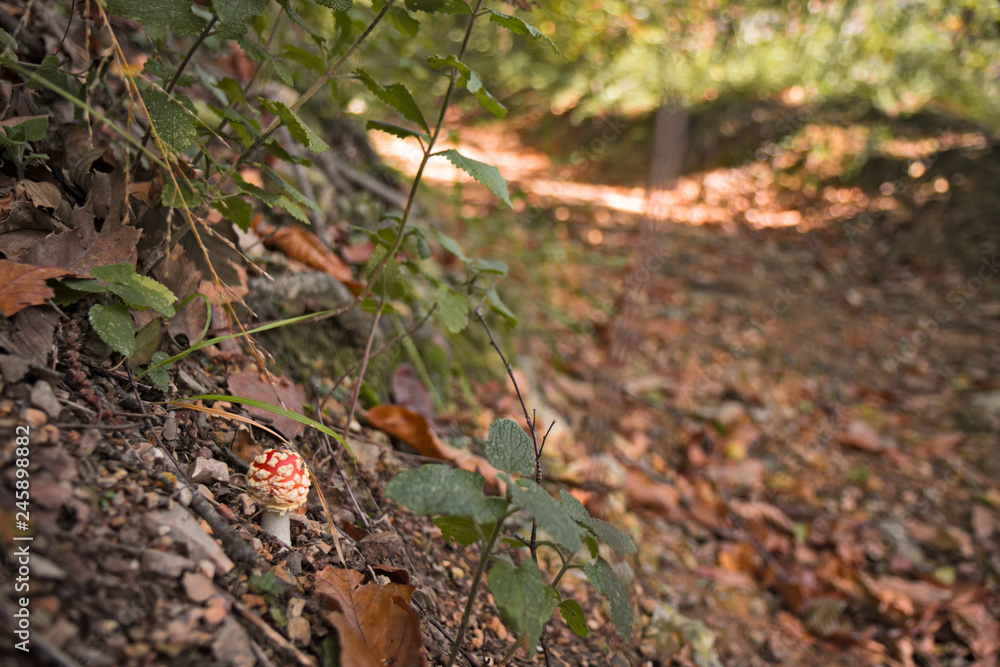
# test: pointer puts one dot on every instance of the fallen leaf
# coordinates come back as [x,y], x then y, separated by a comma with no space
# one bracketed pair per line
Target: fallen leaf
[380,615]
[984,524]
[409,391]
[860,435]
[306,248]
[249,384]
[23,285]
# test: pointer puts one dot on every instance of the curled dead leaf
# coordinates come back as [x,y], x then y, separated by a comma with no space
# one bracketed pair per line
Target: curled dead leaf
[23,285]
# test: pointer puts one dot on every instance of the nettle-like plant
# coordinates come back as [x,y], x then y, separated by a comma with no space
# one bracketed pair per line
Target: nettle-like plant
[462,511]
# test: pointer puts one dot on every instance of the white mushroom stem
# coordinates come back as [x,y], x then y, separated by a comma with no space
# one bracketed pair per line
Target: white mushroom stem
[275,522]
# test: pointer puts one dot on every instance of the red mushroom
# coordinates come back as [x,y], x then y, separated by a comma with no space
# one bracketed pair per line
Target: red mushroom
[278,480]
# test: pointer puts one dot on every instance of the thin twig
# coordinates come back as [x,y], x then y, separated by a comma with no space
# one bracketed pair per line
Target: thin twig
[364,366]
[444,631]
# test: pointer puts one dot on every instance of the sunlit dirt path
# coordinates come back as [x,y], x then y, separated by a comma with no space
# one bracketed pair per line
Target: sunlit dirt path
[807,446]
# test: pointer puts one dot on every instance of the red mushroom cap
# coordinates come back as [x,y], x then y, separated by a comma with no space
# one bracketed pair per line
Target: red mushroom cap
[278,479]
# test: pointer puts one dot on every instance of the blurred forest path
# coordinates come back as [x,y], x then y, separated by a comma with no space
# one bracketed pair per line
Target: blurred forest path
[804,429]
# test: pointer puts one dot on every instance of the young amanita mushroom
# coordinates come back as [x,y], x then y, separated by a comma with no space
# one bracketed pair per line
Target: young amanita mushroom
[278,480]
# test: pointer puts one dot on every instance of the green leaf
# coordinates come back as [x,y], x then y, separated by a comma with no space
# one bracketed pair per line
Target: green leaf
[237,210]
[440,489]
[258,54]
[235,118]
[114,273]
[279,151]
[451,245]
[486,174]
[175,15]
[572,613]
[472,82]
[497,304]
[611,535]
[403,22]
[173,119]
[546,511]
[396,96]
[522,599]
[429,6]
[234,15]
[301,132]
[49,70]
[183,193]
[517,25]
[336,5]
[592,546]
[487,265]
[273,409]
[158,69]
[233,90]
[395,130]
[308,59]
[158,374]
[461,528]
[115,327]
[453,309]
[143,293]
[604,579]
[509,448]
[32,129]
[290,189]
[8,42]
[390,281]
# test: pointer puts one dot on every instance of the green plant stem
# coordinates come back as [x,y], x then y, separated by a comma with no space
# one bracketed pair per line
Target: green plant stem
[428,153]
[298,103]
[364,367]
[484,558]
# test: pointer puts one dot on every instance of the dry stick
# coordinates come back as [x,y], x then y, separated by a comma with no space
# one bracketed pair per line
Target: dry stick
[385,347]
[447,635]
[272,635]
[364,367]
[336,463]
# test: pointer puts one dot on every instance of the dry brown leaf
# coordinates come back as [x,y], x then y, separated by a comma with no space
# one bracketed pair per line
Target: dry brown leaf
[862,436]
[23,285]
[413,429]
[306,248]
[249,384]
[410,392]
[380,615]
[642,492]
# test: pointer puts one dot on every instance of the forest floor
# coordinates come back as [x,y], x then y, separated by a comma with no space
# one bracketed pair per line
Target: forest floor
[805,448]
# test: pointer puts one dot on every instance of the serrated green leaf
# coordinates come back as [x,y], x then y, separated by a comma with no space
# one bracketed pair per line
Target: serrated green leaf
[453,309]
[336,5]
[497,304]
[396,96]
[237,210]
[573,614]
[234,15]
[143,293]
[301,132]
[395,130]
[573,507]
[173,119]
[521,598]
[32,129]
[290,189]
[175,15]
[611,535]
[115,327]
[546,511]
[85,286]
[113,273]
[389,282]
[158,69]
[472,82]
[486,174]
[258,54]
[159,374]
[460,528]
[509,448]
[439,489]
[186,194]
[235,118]
[50,71]
[603,578]
[279,151]
[518,25]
